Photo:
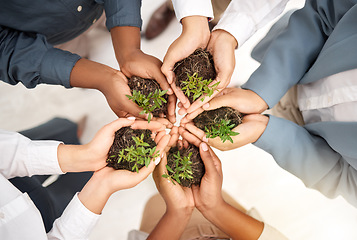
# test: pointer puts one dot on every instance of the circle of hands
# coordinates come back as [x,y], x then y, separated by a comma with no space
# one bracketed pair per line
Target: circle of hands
[219,43]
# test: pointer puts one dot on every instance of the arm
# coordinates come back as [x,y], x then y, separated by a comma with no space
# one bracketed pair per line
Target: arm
[209,201]
[321,164]
[289,57]
[29,59]
[179,201]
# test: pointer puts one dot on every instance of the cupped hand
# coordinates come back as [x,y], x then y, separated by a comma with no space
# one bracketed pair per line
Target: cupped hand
[208,194]
[195,34]
[177,198]
[244,101]
[249,130]
[222,46]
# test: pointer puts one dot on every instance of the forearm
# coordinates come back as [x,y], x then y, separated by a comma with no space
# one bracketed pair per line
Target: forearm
[94,195]
[89,74]
[125,39]
[233,222]
[171,225]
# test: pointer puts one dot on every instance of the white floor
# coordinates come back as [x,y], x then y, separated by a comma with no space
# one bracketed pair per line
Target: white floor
[250,175]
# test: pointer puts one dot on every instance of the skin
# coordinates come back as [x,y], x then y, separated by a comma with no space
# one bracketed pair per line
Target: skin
[195,34]
[105,180]
[207,198]
[126,42]
[222,46]
[245,101]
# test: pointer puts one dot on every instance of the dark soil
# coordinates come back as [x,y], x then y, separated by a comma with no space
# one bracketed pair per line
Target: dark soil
[212,117]
[124,139]
[146,86]
[198,168]
[200,62]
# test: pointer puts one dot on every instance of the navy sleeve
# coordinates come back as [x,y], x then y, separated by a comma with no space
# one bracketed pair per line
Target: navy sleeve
[122,13]
[29,59]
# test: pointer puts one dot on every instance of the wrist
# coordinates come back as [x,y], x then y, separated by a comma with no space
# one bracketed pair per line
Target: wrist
[211,210]
[224,37]
[196,26]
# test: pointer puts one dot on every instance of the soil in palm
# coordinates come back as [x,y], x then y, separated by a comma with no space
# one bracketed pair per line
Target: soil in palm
[200,62]
[124,139]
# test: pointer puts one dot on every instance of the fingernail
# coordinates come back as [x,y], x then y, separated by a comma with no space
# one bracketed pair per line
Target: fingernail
[131,118]
[205,139]
[169,91]
[204,147]
[205,106]
[157,160]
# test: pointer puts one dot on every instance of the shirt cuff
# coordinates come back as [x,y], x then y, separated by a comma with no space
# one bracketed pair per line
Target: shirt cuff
[43,158]
[239,25]
[56,67]
[186,8]
[76,221]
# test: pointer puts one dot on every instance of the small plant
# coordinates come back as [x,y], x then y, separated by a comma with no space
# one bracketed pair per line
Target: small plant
[195,86]
[182,168]
[222,129]
[138,155]
[150,102]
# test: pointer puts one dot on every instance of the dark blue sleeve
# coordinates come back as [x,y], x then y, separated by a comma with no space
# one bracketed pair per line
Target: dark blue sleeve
[122,13]
[29,59]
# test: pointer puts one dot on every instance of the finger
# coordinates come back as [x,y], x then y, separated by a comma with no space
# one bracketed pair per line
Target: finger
[159,136]
[198,133]
[216,161]
[163,121]
[182,111]
[171,108]
[154,126]
[132,108]
[185,143]
[167,68]
[186,135]
[202,101]
[207,159]
[119,123]
[160,148]
[180,95]
[161,80]
[190,116]
[180,105]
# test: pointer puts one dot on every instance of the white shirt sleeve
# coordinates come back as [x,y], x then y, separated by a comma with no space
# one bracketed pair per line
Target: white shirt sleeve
[185,8]
[243,18]
[76,222]
[22,157]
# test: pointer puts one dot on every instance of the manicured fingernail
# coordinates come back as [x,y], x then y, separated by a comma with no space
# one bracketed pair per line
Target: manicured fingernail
[204,147]
[205,139]
[205,106]
[131,118]
[157,160]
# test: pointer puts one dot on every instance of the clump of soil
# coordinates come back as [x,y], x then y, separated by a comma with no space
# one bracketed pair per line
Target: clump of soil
[212,118]
[124,139]
[147,86]
[199,62]
[197,167]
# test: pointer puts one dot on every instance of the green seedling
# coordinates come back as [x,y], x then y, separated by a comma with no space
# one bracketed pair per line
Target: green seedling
[197,87]
[222,129]
[182,169]
[148,103]
[141,154]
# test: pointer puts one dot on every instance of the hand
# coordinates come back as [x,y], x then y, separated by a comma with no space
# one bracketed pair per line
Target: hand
[93,156]
[133,62]
[244,101]
[208,195]
[249,130]
[178,199]
[222,46]
[106,181]
[195,34]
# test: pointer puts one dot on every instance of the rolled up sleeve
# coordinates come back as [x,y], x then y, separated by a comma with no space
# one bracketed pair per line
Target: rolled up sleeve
[29,59]
[122,13]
